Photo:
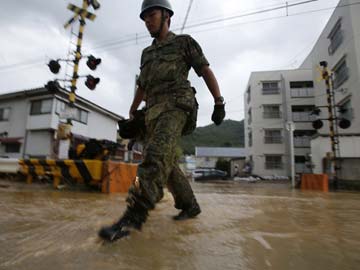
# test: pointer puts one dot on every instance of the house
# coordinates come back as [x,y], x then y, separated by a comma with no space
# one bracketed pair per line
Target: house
[206,157]
[29,121]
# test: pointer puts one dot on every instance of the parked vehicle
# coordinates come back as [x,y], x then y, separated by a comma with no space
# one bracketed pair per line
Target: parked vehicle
[208,174]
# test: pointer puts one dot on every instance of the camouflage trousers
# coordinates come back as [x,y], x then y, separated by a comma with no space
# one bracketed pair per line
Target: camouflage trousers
[160,164]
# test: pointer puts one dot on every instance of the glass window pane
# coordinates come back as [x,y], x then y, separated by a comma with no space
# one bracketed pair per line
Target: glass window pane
[46,106]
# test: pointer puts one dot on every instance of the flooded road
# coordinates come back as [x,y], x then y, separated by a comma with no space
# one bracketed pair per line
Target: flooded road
[242,226]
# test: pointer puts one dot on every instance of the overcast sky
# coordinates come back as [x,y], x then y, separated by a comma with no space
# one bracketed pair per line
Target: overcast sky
[32,33]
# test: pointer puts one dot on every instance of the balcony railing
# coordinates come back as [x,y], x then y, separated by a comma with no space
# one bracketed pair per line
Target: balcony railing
[272,115]
[302,92]
[273,165]
[273,139]
[304,141]
[303,117]
[271,91]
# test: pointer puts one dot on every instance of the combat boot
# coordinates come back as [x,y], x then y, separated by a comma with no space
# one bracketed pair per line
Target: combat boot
[131,219]
[189,212]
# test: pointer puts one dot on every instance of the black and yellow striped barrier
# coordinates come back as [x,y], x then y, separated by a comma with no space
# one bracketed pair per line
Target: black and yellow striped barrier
[83,171]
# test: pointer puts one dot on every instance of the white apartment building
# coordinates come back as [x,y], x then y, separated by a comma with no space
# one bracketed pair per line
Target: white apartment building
[29,121]
[339,45]
[272,99]
[275,97]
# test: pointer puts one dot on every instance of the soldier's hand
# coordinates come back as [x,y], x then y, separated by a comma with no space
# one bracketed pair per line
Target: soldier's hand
[219,114]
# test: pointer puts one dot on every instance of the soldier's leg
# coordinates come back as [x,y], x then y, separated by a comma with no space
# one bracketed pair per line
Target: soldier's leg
[183,194]
[153,172]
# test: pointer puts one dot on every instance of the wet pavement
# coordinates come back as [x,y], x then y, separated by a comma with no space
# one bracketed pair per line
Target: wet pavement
[242,226]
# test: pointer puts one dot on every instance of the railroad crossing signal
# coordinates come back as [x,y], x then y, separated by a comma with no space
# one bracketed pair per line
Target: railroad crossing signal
[82,12]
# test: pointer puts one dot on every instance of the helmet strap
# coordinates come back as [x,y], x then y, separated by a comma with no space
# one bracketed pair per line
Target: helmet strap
[163,19]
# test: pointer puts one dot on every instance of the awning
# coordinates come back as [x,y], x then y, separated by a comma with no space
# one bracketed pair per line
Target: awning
[9,140]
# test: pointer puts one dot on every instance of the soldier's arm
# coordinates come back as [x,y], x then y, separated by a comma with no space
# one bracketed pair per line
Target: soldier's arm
[211,81]
[138,98]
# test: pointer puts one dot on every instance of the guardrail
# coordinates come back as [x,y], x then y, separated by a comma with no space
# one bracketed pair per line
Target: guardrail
[108,176]
[9,165]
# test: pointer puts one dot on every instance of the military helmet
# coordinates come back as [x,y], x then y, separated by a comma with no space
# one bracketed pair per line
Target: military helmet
[165,4]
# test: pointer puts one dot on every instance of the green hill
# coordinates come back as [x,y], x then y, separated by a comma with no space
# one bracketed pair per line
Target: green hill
[229,134]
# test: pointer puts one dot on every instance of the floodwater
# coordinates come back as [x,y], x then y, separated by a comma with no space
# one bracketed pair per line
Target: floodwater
[242,226]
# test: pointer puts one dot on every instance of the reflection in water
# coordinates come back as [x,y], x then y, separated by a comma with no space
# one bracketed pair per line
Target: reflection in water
[242,226]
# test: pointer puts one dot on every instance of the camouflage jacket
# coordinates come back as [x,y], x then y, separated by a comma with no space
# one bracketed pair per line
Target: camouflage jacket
[164,72]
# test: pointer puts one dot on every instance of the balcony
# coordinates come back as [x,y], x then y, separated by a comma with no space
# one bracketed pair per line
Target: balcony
[302,92]
[304,142]
[303,117]
[273,139]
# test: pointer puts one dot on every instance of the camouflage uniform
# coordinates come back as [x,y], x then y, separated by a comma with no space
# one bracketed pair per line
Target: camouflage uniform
[169,97]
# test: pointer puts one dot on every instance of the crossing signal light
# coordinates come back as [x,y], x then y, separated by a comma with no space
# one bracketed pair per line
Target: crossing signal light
[93,62]
[344,123]
[316,111]
[52,86]
[317,124]
[54,66]
[91,82]
[95,4]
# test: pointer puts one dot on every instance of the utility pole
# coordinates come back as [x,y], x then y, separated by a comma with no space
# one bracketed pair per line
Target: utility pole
[291,127]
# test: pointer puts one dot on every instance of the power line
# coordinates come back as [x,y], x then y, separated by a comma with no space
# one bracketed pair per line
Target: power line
[186,16]
[142,36]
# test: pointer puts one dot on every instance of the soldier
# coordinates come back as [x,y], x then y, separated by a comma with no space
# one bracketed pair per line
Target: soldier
[171,112]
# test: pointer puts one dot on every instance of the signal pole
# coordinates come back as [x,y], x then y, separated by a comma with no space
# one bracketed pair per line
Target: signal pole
[334,136]
[64,129]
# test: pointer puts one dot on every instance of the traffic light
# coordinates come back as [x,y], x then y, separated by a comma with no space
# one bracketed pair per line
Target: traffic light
[317,124]
[93,62]
[52,86]
[344,123]
[91,82]
[54,66]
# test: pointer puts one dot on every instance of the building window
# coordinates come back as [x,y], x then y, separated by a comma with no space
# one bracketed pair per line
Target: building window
[273,162]
[341,73]
[250,137]
[302,89]
[78,114]
[336,37]
[249,94]
[43,106]
[12,148]
[271,111]
[249,116]
[273,136]
[270,88]
[4,114]
[345,110]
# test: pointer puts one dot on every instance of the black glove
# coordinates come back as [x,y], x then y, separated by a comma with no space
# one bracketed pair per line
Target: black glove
[219,114]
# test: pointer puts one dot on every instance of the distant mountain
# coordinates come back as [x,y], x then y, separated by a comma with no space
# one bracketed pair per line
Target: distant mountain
[229,134]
